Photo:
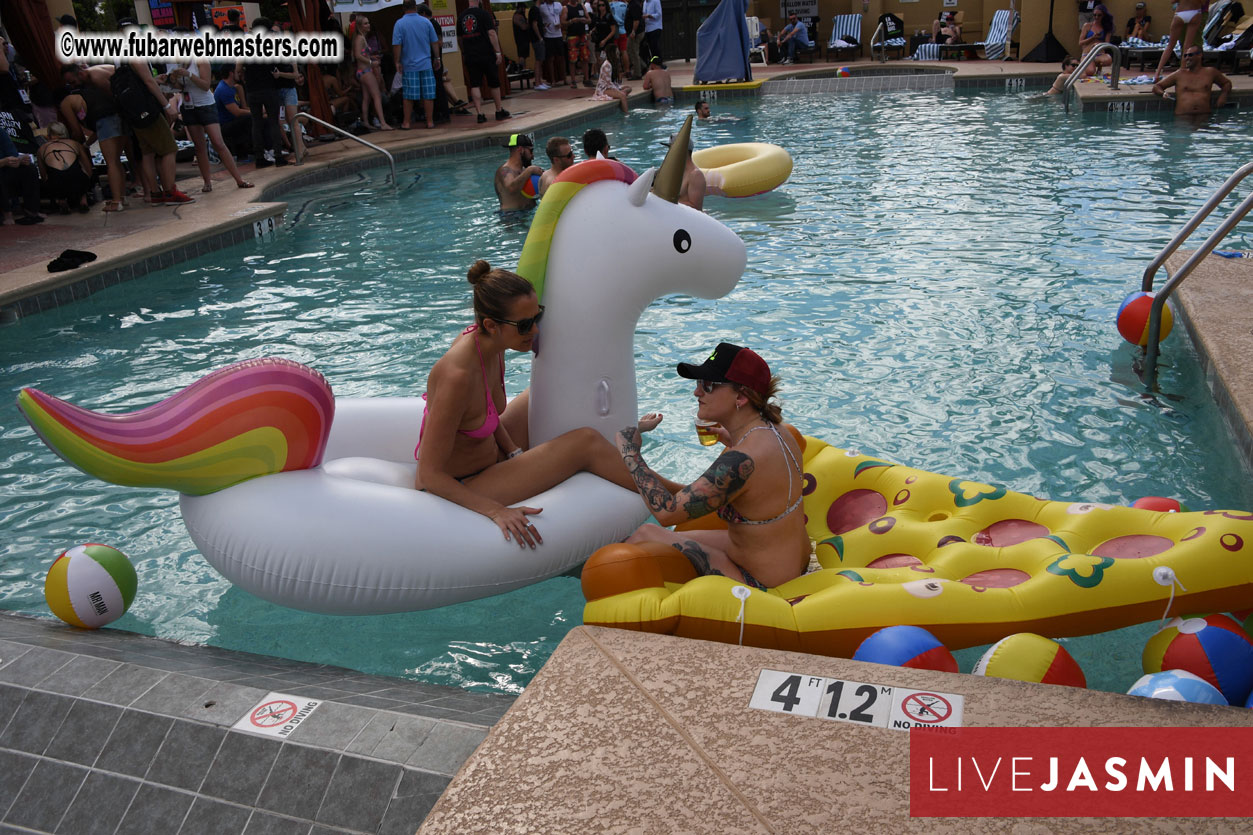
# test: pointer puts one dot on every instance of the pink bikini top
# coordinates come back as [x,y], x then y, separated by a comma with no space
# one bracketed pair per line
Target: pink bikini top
[492,419]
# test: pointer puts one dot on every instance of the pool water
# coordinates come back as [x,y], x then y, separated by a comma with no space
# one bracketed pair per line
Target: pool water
[936,285]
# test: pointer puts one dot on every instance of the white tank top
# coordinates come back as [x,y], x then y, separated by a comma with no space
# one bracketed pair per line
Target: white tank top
[195,96]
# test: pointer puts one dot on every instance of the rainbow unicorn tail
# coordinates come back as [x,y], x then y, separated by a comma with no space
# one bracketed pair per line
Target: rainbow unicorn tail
[249,419]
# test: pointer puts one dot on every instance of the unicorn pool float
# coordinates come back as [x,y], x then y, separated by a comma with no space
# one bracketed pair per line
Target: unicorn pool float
[307,500]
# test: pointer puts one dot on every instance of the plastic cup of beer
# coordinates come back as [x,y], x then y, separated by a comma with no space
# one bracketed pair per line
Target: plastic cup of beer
[707,432]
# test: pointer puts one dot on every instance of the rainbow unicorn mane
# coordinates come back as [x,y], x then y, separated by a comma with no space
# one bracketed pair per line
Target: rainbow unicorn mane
[249,419]
[533,263]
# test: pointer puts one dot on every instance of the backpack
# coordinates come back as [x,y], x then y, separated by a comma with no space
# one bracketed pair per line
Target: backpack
[133,98]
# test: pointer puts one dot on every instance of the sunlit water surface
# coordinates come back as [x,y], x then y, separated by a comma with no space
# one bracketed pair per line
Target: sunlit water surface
[936,284]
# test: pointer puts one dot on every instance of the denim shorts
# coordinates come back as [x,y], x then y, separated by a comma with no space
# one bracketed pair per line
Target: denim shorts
[109,127]
[204,115]
[287,96]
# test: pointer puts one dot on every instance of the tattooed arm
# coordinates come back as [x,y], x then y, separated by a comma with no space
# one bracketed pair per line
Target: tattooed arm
[719,484]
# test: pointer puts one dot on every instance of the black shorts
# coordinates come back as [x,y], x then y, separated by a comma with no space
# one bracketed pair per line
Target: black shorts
[524,48]
[555,47]
[477,70]
[203,115]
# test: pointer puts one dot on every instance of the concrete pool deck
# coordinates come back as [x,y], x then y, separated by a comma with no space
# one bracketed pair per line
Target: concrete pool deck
[410,738]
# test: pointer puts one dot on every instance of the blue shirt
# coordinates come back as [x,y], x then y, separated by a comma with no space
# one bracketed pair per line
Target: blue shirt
[414,34]
[224,94]
[652,7]
[802,32]
[618,9]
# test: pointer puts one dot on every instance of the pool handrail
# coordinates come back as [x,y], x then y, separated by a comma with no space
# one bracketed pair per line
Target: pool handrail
[882,44]
[1172,281]
[1114,69]
[391,161]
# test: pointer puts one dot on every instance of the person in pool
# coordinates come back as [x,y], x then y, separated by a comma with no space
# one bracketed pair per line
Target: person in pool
[754,485]
[473,447]
[1069,64]
[516,172]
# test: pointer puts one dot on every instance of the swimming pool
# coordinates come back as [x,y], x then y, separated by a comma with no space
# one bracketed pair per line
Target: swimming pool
[936,285]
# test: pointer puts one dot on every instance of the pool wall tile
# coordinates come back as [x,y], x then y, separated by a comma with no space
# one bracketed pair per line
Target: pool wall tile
[241,768]
[263,823]
[286,795]
[38,808]
[79,675]
[14,769]
[337,725]
[446,747]
[155,810]
[10,700]
[206,816]
[358,794]
[173,695]
[125,684]
[224,703]
[99,806]
[134,743]
[394,738]
[84,732]
[413,799]
[36,722]
[185,755]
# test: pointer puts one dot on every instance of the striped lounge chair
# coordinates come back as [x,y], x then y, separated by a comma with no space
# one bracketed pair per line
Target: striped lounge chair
[1000,35]
[847,28]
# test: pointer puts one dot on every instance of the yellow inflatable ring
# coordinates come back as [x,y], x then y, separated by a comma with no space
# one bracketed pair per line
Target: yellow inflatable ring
[969,562]
[743,169]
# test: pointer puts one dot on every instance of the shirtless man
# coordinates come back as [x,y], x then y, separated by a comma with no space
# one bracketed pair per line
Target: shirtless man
[562,156]
[692,189]
[657,79]
[1193,83]
[514,174]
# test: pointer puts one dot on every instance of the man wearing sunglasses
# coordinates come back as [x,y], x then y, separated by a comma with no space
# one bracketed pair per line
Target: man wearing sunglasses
[562,157]
[1193,84]
[517,171]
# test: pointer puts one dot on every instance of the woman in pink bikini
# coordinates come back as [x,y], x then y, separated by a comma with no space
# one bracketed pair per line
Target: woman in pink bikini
[765,543]
[473,448]
[1184,28]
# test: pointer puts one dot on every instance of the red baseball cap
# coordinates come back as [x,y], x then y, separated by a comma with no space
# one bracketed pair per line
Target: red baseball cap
[731,364]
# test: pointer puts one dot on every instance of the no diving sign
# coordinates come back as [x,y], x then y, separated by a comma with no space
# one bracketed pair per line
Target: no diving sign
[920,709]
[278,714]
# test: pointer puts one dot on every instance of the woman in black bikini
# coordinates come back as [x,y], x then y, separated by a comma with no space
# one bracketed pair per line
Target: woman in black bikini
[473,446]
[65,168]
[765,543]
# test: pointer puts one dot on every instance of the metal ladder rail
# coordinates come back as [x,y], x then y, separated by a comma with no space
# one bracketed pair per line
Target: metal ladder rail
[1159,300]
[1114,70]
[883,46]
[391,161]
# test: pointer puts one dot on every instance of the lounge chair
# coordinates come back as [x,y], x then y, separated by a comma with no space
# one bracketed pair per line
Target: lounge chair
[846,28]
[999,42]
[754,38]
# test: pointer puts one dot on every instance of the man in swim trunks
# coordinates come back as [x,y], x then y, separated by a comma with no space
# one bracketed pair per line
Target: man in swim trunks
[562,157]
[1193,84]
[514,174]
[657,80]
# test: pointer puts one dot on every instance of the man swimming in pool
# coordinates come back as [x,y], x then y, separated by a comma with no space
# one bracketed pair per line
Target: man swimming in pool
[515,173]
[657,81]
[1193,84]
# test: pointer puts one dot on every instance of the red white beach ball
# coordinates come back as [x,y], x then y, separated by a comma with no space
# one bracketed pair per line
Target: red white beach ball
[1030,657]
[1133,319]
[1216,648]
[90,585]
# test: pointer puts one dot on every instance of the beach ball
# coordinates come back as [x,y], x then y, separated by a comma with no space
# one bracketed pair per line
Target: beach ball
[1215,648]
[1177,686]
[1133,318]
[1030,657]
[90,585]
[1158,503]
[844,72]
[906,646]
[531,187]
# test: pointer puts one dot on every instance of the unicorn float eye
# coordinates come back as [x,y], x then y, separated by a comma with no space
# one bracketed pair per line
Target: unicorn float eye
[682,241]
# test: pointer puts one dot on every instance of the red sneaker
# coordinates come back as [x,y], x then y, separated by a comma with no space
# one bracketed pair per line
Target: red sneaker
[176,196]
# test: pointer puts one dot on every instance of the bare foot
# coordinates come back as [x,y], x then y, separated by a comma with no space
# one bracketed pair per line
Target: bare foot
[387,127]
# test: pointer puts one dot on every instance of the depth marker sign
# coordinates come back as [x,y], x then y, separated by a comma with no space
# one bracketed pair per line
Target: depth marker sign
[857,702]
[278,714]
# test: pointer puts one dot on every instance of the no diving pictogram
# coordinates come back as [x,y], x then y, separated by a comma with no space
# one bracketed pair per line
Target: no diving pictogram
[269,714]
[927,707]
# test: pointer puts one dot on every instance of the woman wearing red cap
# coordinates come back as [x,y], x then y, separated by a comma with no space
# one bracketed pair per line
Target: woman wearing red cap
[754,485]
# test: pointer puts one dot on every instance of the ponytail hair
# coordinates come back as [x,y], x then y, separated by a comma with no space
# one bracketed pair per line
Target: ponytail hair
[495,290]
[770,410]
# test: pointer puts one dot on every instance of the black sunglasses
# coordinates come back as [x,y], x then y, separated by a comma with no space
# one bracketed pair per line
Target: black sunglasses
[708,386]
[524,325]
[1190,54]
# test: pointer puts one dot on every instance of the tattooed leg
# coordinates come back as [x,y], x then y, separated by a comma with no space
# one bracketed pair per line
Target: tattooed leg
[697,556]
